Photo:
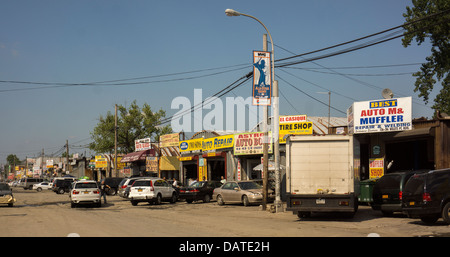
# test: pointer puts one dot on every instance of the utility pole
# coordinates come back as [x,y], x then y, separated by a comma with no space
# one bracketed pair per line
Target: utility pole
[115,141]
[67,156]
[265,143]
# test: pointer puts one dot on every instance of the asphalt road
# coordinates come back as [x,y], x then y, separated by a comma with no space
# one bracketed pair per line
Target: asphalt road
[46,214]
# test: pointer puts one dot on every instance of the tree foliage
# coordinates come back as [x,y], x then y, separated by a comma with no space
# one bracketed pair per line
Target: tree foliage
[13,159]
[437,65]
[133,123]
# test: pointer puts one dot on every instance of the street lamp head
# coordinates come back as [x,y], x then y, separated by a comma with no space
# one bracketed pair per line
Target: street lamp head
[231,12]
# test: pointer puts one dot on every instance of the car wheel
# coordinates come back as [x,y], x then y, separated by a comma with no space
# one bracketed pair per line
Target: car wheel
[158,199]
[174,198]
[73,205]
[207,198]
[39,189]
[189,201]
[446,213]
[220,200]
[134,203]
[61,191]
[245,200]
[430,219]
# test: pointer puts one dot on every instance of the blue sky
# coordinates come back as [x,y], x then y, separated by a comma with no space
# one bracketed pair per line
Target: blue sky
[54,41]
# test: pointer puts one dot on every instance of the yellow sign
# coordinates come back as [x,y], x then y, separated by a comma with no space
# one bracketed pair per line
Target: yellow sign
[169,140]
[295,128]
[191,145]
[207,144]
[376,167]
[214,143]
[100,162]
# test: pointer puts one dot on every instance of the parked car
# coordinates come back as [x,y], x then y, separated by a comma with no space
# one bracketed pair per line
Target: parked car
[43,185]
[113,184]
[245,192]
[388,191]
[27,183]
[62,185]
[125,185]
[85,192]
[201,190]
[427,196]
[6,195]
[152,190]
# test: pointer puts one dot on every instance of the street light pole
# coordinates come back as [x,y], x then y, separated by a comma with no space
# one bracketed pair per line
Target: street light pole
[275,109]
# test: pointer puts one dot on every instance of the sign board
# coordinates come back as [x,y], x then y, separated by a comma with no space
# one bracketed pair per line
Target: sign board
[142,144]
[192,145]
[250,143]
[262,78]
[151,164]
[387,115]
[294,125]
[376,167]
[100,162]
[169,140]
[214,143]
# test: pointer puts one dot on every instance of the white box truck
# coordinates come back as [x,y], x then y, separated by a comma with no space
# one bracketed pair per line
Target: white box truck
[322,174]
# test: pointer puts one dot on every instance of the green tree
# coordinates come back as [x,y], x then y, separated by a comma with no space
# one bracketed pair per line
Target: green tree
[437,65]
[12,159]
[133,123]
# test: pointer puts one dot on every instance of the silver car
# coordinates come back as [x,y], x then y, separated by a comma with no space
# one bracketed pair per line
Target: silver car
[245,192]
[85,192]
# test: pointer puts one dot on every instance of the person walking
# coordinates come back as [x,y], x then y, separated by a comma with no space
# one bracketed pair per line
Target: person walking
[103,187]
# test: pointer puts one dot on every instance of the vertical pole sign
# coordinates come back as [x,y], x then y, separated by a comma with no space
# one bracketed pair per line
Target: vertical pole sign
[262,78]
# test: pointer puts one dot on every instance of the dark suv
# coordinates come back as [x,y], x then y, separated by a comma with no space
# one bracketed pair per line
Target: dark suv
[62,185]
[388,191]
[113,184]
[427,196]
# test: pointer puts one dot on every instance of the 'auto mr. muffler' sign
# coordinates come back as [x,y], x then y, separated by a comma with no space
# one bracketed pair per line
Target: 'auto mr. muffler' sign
[387,115]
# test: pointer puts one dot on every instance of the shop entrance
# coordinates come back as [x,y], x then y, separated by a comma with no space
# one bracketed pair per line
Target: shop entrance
[410,155]
[216,169]
[190,170]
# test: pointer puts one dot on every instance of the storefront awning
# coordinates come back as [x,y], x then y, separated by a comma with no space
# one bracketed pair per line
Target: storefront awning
[413,133]
[138,156]
[169,163]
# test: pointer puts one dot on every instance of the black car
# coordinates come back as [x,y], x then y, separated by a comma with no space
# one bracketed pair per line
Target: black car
[62,185]
[388,191]
[113,184]
[201,190]
[427,196]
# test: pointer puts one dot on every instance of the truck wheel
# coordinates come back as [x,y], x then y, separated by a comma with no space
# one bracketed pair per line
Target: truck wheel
[430,219]
[303,214]
[446,213]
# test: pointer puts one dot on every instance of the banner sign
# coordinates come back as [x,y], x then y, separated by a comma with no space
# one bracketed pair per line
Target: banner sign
[142,144]
[250,143]
[192,145]
[215,143]
[262,78]
[387,115]
[169,140]
[376,167]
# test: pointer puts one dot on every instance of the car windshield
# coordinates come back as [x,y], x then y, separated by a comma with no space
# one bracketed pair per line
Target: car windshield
[415,185]
[198,184]
[249,185]
[86,185]
[389,182]
[140,183]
